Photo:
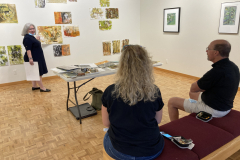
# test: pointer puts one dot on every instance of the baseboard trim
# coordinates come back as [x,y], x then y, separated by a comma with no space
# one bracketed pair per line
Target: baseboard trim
[180,74]
[177,73]
[22,82]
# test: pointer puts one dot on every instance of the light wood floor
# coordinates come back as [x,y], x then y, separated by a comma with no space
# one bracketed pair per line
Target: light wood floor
[36,125]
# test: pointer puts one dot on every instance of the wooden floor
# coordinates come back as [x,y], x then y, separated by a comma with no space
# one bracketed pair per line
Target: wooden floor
[36,125]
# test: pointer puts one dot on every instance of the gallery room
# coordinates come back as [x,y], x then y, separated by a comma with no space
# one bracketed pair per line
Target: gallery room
[36,119]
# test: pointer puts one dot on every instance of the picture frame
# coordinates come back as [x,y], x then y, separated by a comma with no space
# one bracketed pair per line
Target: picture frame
[229,17]
[171,20]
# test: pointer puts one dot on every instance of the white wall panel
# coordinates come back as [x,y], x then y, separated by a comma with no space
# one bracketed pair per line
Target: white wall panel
[186,50]
[84,49]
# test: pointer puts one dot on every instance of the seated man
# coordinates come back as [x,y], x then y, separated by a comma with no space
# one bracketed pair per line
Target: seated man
[215,91]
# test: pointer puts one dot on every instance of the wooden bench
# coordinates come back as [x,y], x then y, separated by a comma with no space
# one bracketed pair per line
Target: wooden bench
[218,139]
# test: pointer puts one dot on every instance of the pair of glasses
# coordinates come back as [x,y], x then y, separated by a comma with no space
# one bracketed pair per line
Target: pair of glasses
[31,28]
[207,49]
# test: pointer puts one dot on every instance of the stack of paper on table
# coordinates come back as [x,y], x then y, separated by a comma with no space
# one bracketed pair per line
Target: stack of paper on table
[56,70]
[86,65]
[156,63]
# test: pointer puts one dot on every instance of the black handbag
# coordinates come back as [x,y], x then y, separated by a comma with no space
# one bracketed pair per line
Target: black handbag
[96,98]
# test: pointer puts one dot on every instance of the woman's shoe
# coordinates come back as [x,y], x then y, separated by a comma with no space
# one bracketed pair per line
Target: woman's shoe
[47,90]
[35,88]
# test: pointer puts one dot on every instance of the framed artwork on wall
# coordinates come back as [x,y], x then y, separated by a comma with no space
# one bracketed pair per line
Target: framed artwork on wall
[229,19]
[171,19]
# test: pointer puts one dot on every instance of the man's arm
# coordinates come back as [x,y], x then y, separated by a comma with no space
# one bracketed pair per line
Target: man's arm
[195,91]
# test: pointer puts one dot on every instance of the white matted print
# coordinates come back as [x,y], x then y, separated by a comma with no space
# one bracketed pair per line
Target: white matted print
[171,19]
[229,19]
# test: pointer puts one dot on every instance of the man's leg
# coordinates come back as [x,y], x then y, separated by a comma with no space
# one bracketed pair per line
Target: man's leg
[174,104]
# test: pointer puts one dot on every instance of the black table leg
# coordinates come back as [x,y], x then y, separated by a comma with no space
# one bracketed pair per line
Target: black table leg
[68,94]
[79,111]
[75,93]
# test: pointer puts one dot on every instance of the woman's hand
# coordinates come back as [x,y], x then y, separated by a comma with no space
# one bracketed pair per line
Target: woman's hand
[31,61]
[38,37]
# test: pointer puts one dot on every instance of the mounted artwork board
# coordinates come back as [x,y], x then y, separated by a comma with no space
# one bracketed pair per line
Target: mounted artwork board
[229,18]
[171,19]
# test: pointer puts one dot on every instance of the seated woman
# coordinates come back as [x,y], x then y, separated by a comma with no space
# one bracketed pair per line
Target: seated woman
[132,109]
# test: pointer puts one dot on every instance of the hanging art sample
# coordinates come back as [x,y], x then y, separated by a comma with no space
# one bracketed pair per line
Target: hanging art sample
[15,54]
[40,3]
[96,13]
[61,50]
[72,0]
[105,25]
[125,42]
[106,48]
[66,50]
[56,1]
[112,13]
[63,17]
[3,56]
[171,18]
[50,34]
[229,19]
[71,31]
[116,46]
[229,15]
[8,13]
[57,50]
[105,3]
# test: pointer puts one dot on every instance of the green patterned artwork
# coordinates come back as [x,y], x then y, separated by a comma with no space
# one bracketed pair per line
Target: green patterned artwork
[3,56]
[229,15]
[105,3]
[15,54]
[105,25]
[171,18]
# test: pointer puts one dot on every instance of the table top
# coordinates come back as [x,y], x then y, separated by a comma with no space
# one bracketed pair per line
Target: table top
[93,75]
[88,76]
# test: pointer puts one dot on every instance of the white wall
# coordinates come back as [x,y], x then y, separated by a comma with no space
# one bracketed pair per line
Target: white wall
[186,50]
[84,49]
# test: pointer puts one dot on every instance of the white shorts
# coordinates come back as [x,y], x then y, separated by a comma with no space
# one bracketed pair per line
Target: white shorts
[193,106]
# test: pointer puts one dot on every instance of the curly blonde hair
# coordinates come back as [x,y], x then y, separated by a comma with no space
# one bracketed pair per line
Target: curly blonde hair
[134,78]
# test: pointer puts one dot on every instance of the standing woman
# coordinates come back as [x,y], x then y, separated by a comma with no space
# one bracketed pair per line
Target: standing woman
[132,109]
[34,52]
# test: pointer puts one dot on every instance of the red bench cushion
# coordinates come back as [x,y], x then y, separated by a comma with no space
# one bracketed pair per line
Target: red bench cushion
[229,123]
[206,137]
[172,152]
